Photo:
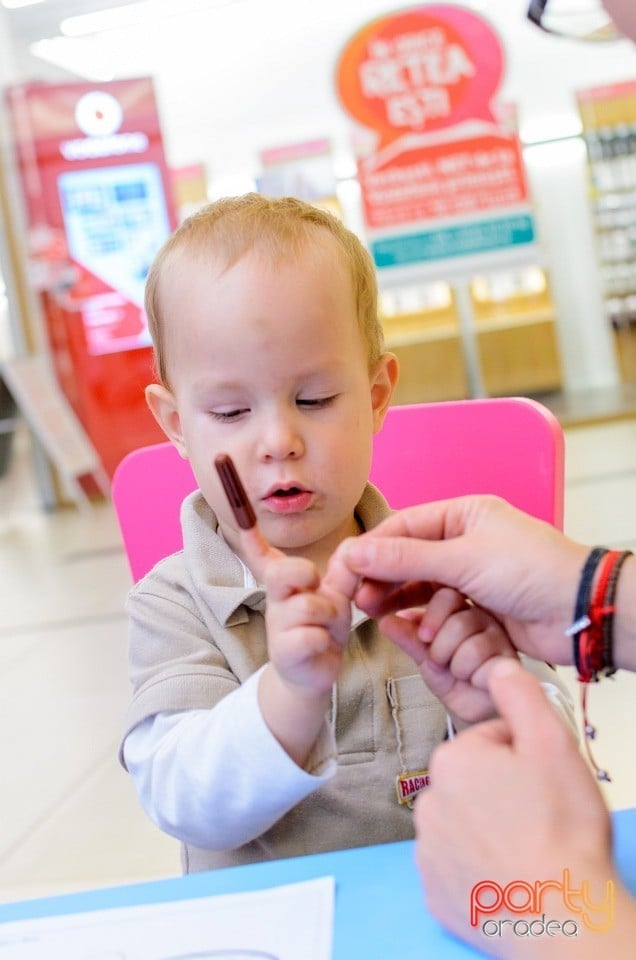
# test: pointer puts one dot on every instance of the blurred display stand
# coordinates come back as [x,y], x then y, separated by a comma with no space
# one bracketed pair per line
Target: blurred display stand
[190,189]
[303,170]
[445,198]
[60,435]
[8,422]
[98,203]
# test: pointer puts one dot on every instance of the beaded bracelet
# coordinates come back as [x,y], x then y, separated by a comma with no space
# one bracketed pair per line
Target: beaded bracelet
[592,629]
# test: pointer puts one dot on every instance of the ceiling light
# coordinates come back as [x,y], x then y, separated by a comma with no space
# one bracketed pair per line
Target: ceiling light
[131,14]
[76,57]
[14,4]
[109,19]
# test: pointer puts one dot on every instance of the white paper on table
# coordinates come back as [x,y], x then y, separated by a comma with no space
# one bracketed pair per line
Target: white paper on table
[291,922]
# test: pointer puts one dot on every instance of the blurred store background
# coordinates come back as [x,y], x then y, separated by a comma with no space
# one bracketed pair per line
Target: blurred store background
[490,167]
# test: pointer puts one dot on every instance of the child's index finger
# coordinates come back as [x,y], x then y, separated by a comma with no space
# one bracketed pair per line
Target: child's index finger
[256,547]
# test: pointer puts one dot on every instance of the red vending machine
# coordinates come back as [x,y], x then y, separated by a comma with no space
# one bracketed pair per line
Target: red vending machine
[99,205]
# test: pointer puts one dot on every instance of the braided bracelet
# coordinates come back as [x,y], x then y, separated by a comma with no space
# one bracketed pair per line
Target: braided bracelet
[593,627]
[581,619]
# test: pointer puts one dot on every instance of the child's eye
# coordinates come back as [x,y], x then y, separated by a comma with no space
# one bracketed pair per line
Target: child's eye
[225,415]
[315,402]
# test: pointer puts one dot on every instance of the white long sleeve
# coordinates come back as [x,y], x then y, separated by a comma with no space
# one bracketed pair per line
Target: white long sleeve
[218,778]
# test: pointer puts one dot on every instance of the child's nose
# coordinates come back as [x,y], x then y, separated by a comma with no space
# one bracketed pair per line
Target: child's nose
[279,439]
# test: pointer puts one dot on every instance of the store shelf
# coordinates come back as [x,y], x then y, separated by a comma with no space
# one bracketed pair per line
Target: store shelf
[427,342]
[406,338]
[515,330]
[521,358]
[512,318]
[431,370]
[625,345]
[508,321]
[608,116]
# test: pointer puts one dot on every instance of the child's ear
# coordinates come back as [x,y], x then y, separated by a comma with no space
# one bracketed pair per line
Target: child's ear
[163,407]
[383,380]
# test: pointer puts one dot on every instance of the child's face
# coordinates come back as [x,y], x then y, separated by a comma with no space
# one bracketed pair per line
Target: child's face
[267,364]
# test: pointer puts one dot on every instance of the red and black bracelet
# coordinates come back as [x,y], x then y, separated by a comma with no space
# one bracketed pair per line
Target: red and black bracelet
[593,629]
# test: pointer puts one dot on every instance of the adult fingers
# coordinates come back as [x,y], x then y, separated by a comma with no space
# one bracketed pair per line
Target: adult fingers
[390,559]
[439,520]
[452,760]
[521,702]
[377,598]
[339,577]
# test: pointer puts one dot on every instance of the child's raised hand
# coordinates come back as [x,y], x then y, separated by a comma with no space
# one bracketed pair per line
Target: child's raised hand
[307,629]
[307,623]
[455,645]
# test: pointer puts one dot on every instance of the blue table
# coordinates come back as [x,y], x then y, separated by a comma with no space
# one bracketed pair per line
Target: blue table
[379,912]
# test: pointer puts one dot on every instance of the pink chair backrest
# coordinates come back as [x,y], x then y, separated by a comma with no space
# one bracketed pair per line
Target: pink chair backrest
[510,446]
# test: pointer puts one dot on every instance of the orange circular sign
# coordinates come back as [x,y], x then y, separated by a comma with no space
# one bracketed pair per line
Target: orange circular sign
[426,68]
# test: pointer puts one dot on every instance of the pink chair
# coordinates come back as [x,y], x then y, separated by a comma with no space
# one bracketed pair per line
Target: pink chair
[510,446]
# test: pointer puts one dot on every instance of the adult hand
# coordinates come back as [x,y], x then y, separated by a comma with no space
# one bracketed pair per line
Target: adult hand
[456,646]
[512,800]
[519,568]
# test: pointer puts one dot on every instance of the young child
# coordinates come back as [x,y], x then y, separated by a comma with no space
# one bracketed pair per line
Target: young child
[261,731]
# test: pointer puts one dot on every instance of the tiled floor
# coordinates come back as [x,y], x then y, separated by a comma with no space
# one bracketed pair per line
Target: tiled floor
[68,817]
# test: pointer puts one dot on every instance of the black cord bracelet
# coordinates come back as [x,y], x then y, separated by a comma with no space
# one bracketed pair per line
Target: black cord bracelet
[583,596]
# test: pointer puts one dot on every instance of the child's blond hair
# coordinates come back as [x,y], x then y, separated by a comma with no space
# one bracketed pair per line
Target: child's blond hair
[279,228]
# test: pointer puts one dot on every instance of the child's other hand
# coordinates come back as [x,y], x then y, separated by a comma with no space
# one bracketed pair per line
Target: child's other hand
[455,645]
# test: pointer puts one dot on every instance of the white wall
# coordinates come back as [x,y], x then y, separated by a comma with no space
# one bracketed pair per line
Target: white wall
[558,180]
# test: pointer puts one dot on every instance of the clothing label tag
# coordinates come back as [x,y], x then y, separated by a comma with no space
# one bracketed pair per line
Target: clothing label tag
[408,785]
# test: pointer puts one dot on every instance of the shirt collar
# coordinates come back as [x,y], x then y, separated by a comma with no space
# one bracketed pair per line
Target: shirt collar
[219,575]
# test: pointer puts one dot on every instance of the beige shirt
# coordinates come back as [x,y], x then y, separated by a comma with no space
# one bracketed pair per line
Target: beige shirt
[196,634]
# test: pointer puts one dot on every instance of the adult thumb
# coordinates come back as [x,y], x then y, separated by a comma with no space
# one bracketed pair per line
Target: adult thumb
[522,703]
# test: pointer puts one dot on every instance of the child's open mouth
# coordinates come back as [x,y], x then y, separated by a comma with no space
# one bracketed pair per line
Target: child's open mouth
[289,500]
